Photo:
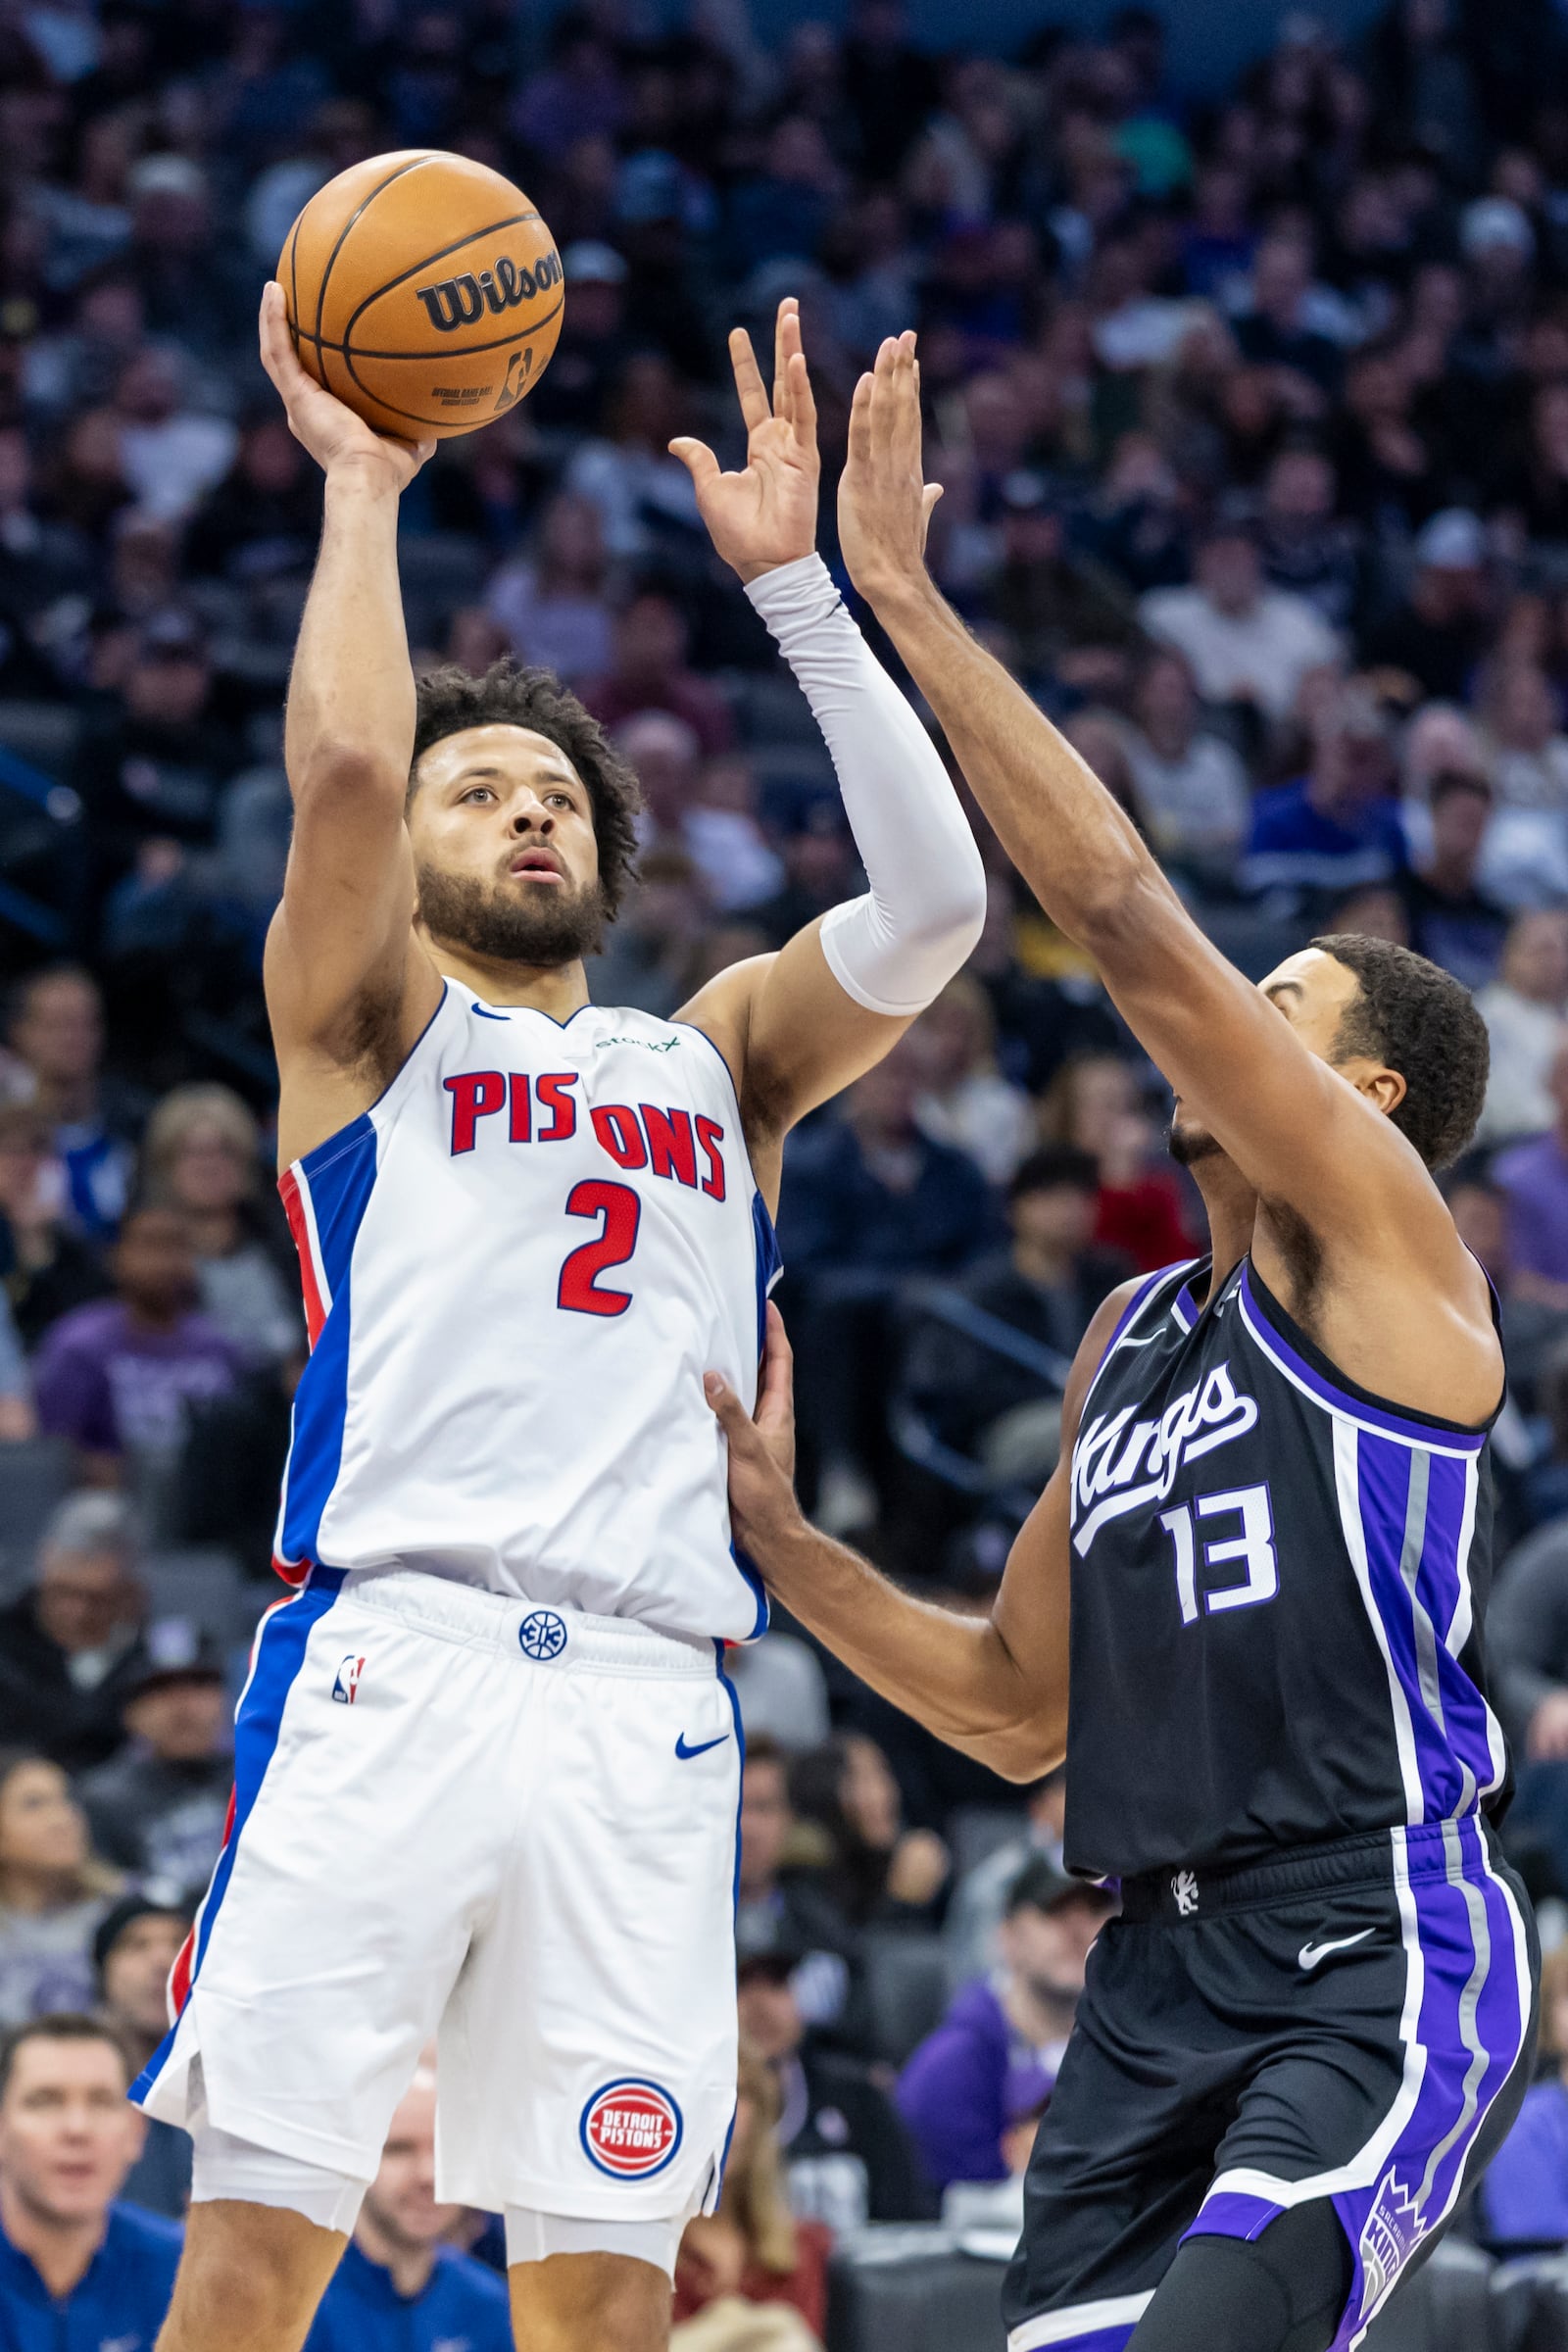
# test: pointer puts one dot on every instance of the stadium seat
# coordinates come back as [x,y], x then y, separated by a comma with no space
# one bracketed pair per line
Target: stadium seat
[975,1832]
[44,734]
[897,2290]
[1530,2305]
[906,1986]
[204,1583]
[1447,2307]
[33,1478]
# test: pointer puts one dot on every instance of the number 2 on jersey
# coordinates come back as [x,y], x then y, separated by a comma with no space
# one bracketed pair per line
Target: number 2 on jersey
[579,1290]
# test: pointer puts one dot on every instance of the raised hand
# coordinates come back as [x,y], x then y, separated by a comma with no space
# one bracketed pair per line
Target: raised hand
[766,514]
[885,502]
[332,433]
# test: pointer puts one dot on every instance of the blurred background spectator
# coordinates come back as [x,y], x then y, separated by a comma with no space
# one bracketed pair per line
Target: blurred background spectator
[133,1952]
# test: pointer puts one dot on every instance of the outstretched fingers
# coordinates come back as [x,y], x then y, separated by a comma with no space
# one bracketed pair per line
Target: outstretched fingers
[749,386]
[697,459]
[278,355]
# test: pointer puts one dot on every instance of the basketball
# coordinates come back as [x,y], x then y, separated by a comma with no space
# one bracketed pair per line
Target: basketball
[424,291]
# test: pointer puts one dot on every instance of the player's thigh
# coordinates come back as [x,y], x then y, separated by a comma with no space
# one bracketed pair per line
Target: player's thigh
[586,2302]
[1282,2292]
[250,2280]
[588,2053]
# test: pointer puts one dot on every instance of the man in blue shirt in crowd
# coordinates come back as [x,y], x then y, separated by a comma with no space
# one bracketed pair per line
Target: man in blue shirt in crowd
[399,2288]
[79,2272]
[1338,828]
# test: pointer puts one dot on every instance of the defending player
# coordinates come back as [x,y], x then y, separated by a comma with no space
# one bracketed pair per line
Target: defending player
[487,1762]
[1314,2019]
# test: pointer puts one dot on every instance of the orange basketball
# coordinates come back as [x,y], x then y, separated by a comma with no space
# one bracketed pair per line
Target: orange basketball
[424,290]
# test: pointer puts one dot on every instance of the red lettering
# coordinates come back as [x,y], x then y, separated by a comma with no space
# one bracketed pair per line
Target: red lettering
[615,1125]
[671,1151]
[710,1135]
[475,1096]
[520,1130]
[551,1089]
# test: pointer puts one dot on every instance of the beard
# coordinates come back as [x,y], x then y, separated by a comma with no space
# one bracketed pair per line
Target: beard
[542,924]
[1188,1146]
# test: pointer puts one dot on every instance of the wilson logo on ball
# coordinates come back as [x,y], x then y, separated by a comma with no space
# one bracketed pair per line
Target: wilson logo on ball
[630,2130]
[459,301]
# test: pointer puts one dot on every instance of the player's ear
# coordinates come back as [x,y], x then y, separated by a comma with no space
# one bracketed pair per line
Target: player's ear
[1383,1089]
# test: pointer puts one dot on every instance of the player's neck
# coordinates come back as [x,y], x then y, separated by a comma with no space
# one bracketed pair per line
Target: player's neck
[1230,1207]
[560,990]
[59,2251]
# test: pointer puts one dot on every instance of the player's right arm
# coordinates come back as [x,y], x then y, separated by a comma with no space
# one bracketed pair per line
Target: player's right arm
[347,984]
[995,1687]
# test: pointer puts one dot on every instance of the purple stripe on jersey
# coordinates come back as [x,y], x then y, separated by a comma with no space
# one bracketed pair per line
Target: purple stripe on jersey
[1138,1301]
[1373,1416]
[1384,1472]
[1232,2213]
[1470,2034]
[1114,2338]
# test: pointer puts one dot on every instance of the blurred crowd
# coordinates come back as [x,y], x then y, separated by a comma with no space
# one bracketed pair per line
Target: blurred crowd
[1251,412]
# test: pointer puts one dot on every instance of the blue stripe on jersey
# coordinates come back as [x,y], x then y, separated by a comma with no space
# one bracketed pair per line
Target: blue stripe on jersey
[1447,1436]
[281,1648]
[770,1264]
[339,1178]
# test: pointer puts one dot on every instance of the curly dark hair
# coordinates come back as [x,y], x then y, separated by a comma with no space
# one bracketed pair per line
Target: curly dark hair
[450,699]
[1418,1020]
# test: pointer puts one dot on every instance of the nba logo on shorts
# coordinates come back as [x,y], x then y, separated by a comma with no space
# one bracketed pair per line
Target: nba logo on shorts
[630,2130]
[542,1634]
[347,1685]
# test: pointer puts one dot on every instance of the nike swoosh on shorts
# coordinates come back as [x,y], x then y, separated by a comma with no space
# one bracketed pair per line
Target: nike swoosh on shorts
[685,1753]
[1311,1954]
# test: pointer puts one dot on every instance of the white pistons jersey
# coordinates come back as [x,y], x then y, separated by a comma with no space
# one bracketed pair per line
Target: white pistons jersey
[517,1265]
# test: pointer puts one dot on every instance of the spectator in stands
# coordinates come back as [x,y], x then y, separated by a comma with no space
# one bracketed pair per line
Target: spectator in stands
[1307,548]
[1275,330]
[225,1487]
[753,2249]
[1046,1288]
[53,1892]
[965,1101]
[783,1692]
[873,1870]
[1525,1010]
[1438,635]
[1523,2204]
[133,1954]
[155,758]
[553,606]
[56,1027]
[1191,788]
[1528,1646]
[158,1809]
[202,1158]
[399,2283]
[1062,614]
[1093,1105]
[996,2052]
[72,1645]
[867,1197]
[846,2156]
[1533,1176]
[1243,641]
[76,2268]
[649,671]
[46,1267]
[1336,828]
[980,1898]
[117,1378]
[780,1902]
[262,522]
[1450,916]
[170,454]
[724,835]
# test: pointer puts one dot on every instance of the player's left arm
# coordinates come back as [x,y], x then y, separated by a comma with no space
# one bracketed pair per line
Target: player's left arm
[797,1026]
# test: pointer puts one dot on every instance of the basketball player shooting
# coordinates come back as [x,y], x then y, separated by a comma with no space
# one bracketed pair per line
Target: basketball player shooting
[488,1763]
[1314,2021]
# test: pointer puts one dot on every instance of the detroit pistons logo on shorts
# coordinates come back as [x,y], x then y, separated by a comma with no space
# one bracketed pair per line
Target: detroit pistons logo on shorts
[542,1634]
[630,2130]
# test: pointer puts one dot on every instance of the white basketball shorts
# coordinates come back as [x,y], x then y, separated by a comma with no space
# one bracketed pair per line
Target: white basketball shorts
[514,1827]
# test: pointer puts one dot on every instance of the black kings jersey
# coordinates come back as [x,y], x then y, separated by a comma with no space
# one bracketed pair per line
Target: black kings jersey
[1278,1586]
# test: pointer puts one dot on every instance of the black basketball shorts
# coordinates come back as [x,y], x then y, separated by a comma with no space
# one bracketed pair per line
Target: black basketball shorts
[1354,2021]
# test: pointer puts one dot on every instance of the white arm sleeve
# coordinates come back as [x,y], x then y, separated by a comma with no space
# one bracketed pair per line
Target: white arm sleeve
[895,949]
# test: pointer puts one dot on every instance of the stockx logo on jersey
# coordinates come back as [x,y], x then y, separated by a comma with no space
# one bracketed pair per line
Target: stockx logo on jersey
[1109,1455]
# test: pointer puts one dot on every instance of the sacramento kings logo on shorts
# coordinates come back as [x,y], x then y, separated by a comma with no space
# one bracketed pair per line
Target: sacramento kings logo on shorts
[630,2130]
[542,1634]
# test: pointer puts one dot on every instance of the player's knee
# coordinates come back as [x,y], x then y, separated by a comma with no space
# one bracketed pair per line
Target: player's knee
[250,2280]
[582,2302]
